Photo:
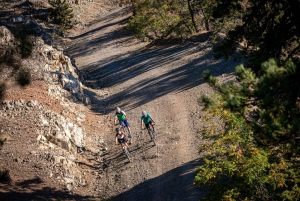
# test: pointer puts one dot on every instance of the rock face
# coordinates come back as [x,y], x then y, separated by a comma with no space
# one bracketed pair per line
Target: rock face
[55,67]
[59,138]
[59,68]
[56,136]
[6,38]
[35,28]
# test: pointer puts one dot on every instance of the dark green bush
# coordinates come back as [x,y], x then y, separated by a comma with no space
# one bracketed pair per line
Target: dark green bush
[26,48]
[23,77]
[2,92]
[62,14]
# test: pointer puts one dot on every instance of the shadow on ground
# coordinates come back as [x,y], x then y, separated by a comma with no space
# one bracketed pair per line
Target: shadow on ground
[180,66]
[31,190]
[128,67]
[175,178]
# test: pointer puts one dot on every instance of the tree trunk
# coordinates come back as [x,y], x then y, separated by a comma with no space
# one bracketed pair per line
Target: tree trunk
[206,18]
[192,15]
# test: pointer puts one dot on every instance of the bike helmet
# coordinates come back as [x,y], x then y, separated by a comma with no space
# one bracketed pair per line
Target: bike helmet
[118,129]
[144,113]
[118,110]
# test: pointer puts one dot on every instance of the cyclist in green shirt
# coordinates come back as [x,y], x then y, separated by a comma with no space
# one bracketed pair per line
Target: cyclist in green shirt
[146,118]
[121,116]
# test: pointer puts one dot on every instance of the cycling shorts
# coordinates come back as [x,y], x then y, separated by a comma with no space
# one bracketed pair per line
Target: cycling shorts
[147,125]
[125,122]
[122,140]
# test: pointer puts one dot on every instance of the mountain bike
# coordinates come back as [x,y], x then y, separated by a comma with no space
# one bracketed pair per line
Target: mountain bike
[124,129]
[152,134]
[126,151]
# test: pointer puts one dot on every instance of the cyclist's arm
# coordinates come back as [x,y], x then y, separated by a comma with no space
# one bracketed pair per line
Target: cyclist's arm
[115,120]
[116,140]
[124,114]
[152,120]
[141,123]
[124,134]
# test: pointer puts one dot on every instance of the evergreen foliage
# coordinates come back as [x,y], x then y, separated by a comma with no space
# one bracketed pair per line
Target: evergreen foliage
[254,149]
[2,90]
[161,19]
[62,14]
[11,56]
[26,48]
[11,59]
[268,29]
[180,18]
[23,77]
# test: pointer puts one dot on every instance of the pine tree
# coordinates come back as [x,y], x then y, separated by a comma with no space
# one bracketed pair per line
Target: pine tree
[62,14]
[268,29]
[163,19]
[253,151]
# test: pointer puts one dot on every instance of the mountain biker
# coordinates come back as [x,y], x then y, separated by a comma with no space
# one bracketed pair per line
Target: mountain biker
[121,116]
[146,118]
[121,137]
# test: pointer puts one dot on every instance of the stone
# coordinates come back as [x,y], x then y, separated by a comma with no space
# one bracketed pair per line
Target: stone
[32,103]
[18,160]
[86,100]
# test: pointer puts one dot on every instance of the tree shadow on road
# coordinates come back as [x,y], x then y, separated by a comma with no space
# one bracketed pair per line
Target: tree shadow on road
[180,66]
[167,187]
[32,189]
[116,71]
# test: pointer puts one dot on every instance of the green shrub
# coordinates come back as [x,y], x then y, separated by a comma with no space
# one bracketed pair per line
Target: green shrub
[62,14]
[11,57]
[1,34]
[23,77]
[26,48]
[253,148]
[2,90]
[161,19]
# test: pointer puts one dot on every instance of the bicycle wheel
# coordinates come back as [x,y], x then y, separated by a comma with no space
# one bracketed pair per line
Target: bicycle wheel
[124,129]
[152,134]
[127,153]
[129,135]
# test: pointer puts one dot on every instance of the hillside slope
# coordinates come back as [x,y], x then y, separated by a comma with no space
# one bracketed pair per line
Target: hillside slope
[60,145]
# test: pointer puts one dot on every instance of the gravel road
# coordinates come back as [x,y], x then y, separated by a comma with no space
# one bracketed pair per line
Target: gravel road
[165,80]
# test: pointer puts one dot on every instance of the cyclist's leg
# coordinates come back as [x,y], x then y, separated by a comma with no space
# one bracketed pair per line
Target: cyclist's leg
[148,129]
[152,124]
[126,123]
[126,145]
[120,142]
[122,124]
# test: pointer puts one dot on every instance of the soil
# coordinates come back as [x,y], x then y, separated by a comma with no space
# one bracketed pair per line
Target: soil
[119,70]
[165,80]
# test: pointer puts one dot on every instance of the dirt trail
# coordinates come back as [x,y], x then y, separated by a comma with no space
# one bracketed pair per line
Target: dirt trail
[163,80]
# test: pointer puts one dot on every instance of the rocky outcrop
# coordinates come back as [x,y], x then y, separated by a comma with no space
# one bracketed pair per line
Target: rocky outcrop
[60,69]
[29,25]
[55,67]
[59,137]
